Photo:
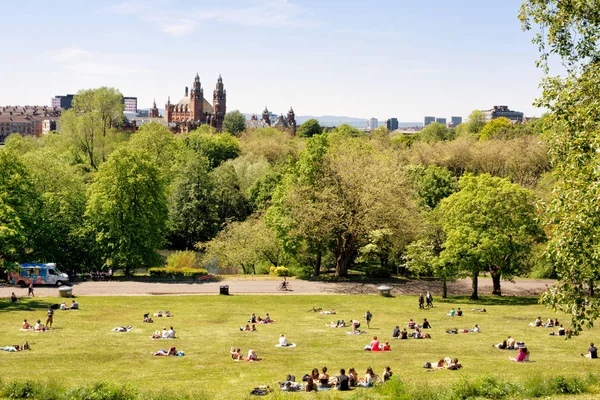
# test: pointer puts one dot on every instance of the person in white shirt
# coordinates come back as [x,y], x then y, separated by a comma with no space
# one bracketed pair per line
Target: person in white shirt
[165,333]
[283,341]
[171,333]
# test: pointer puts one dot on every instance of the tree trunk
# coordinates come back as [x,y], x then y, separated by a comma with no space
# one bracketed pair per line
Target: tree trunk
[317,270]
[475,278]
[497,291]
[344,254]
[591,288]
[444,288]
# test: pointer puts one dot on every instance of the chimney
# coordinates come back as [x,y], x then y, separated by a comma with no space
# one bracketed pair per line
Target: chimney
[186,91]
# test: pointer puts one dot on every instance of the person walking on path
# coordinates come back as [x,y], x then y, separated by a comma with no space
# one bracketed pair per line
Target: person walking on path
[368,317]
[421,302]
[30,290]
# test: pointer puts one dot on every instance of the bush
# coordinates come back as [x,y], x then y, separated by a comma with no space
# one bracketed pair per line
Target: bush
[177,272]
[279,271]
[377,272]
[21,390]
[182,259]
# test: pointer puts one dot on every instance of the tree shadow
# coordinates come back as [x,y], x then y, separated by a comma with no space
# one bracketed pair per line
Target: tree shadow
[493,300]
[31,304]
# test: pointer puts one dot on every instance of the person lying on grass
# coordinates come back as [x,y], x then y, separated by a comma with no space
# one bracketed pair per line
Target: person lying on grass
[266,320]
[236,354]
[338,324]
[387,374]
[166,314]
[478,310]
[11,349]
[247,328]
[122,329]
[327,312]
[453,364]
[172,352]
[523,355]
[501,346]
[148,319]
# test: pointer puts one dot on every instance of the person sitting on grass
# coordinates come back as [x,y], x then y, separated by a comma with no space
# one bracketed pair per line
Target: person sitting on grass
[454,365]
[403,334]
[236,354]
[157,335]
[324,378]
[343,382]
[556,322]
[267,319]
[549,324]
[440,364]
[63,306]
[386,346]
[411,324]
[523,355]
[592,352]
[172,352]
[352,377]
[387,374]
[369,380]
[253,328]
[459,312]
[39,326]
[147,318]
[252,318]
[501,346]
[26,325]
[426,324]
[283,341]
[26,346]
[561,331]
[476,329]
[451,313]
[13,298]
[74,305]
[315,374]
[374,346]
[510,343]
[252,356]
[340,324]
[171,333]
[311,386]
[396,333]
[538,323]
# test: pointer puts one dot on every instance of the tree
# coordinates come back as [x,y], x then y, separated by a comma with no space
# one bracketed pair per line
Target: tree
[309,128]
[476,122]
[569,31]
[494,126]
[216,147]
[158,142]
[231,203]
[434,132]
[432,184]
[245,245]
[193,213]
[127,210]
[234,123]
[490,224]
[12,239]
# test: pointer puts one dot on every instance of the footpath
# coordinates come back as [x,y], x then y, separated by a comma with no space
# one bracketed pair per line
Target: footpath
[526,287]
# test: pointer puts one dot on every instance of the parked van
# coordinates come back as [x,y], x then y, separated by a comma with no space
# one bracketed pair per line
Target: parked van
[38,274]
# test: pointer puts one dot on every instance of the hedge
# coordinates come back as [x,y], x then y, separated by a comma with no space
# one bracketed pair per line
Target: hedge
[169,272]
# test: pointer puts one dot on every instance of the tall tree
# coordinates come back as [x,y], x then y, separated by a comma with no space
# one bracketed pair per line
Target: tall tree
[234,123]
[12,239]
[309,128]
[476,121]
[216,147]
[127,210]
[490,129]
[568,30]
[490,225]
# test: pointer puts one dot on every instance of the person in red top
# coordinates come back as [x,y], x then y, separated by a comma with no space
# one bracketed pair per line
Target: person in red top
[386,346]
[374,344]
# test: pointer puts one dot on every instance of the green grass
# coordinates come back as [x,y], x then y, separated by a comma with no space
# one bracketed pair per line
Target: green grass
[82,350]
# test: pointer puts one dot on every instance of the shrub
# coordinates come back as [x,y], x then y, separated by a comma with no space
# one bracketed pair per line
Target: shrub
[177,272]
[182,259]
[377,272]
[21,390]
[279,271]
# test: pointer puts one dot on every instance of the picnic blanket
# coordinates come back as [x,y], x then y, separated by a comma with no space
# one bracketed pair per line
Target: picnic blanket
[356,333]
[289,345]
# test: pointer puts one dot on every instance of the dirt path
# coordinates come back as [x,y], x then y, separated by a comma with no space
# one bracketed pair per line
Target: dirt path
[238,286]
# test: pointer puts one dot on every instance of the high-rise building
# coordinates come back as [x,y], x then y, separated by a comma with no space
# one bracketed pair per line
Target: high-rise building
[441,121]
[130,104]
[503,111]
[456,121]
[373,123]
[392,124]
[428,120]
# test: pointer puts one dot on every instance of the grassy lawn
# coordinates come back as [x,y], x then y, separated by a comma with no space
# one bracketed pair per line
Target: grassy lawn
[82,349]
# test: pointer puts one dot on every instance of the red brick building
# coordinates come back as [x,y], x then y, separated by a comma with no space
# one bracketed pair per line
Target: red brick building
[26,120]
[194,110]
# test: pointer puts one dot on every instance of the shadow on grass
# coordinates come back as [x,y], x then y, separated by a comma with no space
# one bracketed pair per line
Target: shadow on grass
[26,304]
[493,300]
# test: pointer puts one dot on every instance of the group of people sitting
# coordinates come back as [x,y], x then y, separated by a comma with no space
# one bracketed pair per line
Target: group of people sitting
[416,334]
[338,324]
[39,327]
[148,319]
[413,325]
[509,344]
[316,380]
[237,355]
[171,352]
[74,306]
[448,363]
[455,331]
[455,313]
[549,324]
[16,347]
[247,328]
[376,346]
[166,314]
[258,320]
[164,334]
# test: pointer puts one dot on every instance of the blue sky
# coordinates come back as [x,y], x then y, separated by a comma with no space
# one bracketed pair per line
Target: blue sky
[377,58]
